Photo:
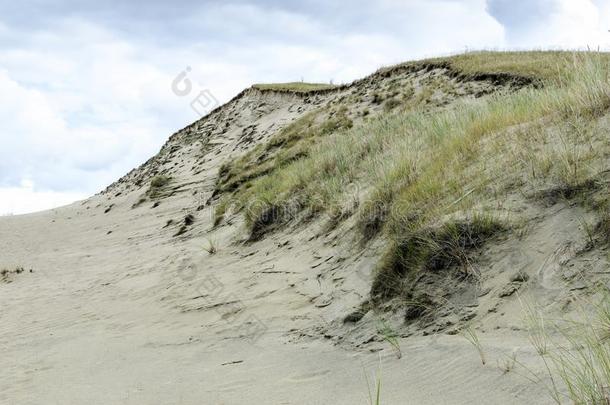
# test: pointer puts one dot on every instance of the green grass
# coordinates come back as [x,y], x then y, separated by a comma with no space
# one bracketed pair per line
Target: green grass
[212,247]
[547,66]
[220,211]
[472,336]
[374,395]
[575,353]
[418,170]
[292,143]
[389,335]
[298,87]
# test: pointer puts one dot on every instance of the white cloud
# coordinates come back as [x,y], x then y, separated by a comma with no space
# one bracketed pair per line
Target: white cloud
[80,112]
[572,24]
[24,199]
[83,99]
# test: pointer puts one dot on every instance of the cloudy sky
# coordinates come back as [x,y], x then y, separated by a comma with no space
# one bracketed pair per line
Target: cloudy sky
[86,86]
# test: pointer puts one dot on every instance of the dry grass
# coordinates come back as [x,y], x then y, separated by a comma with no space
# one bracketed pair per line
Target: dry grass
[5,274]
[298,87]
[430,249]
[548,66]
[157,186]
[472,336]
[602,228]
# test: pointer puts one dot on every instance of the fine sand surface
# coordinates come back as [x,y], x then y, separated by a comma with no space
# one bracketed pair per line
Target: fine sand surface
[101,321]
[125,304]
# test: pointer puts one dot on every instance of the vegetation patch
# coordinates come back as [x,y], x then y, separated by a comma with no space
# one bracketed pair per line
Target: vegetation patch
[159,181]
[288,145]
[545,66]
[295,87]
[390,104]
[6,275]
[418,167]
[576,353]
[562,192]
[157,188]
[220,211]
[261,219]
[431,249]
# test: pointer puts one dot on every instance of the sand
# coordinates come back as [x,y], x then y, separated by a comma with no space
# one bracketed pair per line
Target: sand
[100,321]
[118,310]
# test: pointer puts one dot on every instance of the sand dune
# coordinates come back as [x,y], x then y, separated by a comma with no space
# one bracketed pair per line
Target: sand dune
[140,295]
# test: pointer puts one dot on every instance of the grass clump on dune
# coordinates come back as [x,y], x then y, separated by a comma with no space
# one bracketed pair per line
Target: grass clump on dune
[159,181]
[157,186]
[431,249]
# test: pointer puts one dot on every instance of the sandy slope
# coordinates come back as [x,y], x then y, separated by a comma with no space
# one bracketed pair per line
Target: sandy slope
[104,322]
[119,310]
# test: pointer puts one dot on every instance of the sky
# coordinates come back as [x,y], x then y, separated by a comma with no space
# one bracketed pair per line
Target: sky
[91,89]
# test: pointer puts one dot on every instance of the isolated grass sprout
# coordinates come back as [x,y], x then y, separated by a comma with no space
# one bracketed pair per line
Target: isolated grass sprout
[472,336]
[390,336]
[374,394]
[212,246]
